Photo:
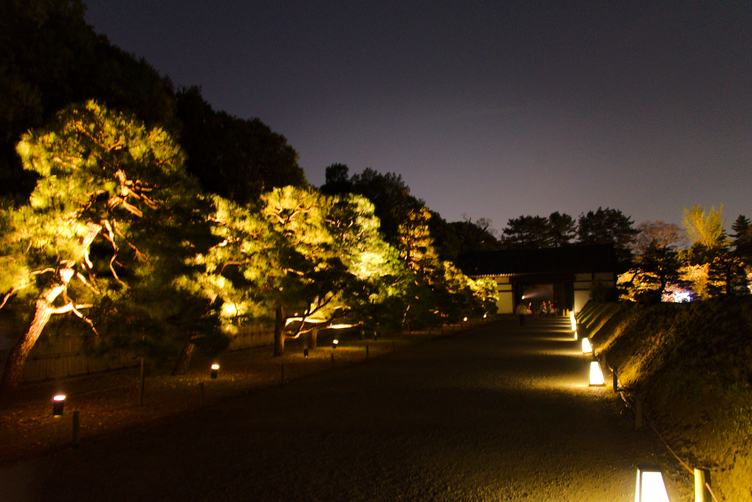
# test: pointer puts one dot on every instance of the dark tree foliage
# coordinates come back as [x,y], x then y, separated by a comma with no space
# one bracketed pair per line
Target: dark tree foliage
[742,239]
[50,58]
[726,274]
[388,192]
[475,235]
[534,232]
[337,180]
[659,265]
[235,158]
[445,239]
[526,232]
[562,229]
[608,226]
[729,262]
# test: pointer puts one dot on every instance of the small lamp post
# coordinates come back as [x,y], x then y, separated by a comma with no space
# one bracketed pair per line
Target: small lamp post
[58,402]
[650,486]
[214,371]
[335,342]
[596,375]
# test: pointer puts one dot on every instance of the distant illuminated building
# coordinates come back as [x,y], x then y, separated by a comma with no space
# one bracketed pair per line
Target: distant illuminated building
[682,297]
[565,276]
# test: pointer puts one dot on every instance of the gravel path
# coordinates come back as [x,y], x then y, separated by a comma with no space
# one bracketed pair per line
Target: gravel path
[497,413]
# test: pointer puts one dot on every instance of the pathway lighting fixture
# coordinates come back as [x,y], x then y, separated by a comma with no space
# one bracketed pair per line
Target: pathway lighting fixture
[335,342]
[650,486]
[58,402]
[586,347]
[464,320]
[305,352]
[214,371]
[596,375]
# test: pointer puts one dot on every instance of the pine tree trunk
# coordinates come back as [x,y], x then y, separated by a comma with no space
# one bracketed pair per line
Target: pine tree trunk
[181,367]
[313,336]
[14,365]
[279,333]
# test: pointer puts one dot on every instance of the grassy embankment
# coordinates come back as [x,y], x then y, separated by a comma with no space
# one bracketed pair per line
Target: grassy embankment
[691,366]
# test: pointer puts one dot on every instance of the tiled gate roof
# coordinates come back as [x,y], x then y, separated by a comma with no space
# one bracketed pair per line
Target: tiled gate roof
[569,259]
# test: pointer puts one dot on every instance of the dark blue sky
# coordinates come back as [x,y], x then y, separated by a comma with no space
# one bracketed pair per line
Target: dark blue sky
[486,108]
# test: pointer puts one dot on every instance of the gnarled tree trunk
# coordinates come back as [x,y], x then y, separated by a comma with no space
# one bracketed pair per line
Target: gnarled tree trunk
[181,366]
[279,332]
[14,365]
[313,336]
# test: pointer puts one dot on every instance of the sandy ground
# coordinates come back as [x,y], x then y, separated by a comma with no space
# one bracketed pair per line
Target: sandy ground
[497,413]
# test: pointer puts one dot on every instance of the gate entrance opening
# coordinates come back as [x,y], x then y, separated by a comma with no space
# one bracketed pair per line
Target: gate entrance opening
[537,293]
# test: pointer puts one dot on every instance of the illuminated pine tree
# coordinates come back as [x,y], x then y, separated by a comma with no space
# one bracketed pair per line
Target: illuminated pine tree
[109,226]
[301,260]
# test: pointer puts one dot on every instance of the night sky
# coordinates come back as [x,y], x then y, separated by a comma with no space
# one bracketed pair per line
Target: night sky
[486,108]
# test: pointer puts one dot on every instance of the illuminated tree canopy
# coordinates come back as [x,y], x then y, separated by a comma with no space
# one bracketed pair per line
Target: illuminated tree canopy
[113,218]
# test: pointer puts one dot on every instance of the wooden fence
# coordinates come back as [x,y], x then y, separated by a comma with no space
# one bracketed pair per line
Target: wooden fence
[63,356]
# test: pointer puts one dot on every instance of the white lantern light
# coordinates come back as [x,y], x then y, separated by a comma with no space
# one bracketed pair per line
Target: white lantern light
[596,375]
[58,402]
[650,486]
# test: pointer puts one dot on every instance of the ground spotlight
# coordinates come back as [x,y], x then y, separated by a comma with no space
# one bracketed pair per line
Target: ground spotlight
[596,375]
[58,402]
[214,370]
[650,486]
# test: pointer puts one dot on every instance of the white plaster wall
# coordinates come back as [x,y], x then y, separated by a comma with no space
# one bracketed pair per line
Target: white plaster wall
[505,303]
[580,299]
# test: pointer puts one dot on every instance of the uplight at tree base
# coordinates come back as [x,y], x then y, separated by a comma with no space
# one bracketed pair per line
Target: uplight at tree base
[596,375]
[58,402]
[650,486]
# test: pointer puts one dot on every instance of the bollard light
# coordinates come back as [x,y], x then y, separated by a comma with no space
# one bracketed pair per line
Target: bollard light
[650,486]
[596,375]
[335,342]
[464,320]
[586,347]
[214,370]
[58,402]
[305,352]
